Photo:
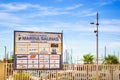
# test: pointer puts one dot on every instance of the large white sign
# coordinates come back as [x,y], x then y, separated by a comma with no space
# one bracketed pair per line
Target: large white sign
[37,50]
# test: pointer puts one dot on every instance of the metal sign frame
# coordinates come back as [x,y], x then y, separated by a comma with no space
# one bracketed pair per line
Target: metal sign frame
[38,50]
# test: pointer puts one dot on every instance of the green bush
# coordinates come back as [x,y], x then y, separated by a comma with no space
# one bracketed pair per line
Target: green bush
[22,76]
[62,79]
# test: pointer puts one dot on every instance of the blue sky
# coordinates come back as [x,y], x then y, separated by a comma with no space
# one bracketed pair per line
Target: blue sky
[71,16]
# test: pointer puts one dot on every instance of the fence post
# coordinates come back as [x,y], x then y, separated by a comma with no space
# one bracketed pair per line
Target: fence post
[87,71]
[56,74]
[112,71]
[97,77]
[2,71]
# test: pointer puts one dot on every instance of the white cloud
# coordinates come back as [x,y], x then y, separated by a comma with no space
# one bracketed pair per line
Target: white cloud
[4,16]
[30,10]
[85,13]
[114,44]
[31,28]
[111,21]
[105,3]
[11,6]
[21,6]
[74,7]
[37,10]
[109,29]
[15,21]
[110,25]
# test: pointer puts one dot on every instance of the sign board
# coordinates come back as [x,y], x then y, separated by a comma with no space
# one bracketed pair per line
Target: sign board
[37,50]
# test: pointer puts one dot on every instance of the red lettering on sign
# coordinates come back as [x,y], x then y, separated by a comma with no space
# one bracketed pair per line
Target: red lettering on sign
[32,55]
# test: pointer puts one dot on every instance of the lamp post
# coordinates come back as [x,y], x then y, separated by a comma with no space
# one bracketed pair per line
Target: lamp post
[96,31]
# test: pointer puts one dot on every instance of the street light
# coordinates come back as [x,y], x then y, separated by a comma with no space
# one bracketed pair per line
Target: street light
[96,31]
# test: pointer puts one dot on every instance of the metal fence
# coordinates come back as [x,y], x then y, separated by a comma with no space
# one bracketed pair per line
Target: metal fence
[69,72]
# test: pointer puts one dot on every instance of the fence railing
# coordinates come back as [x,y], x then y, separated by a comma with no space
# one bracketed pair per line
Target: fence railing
[69,72]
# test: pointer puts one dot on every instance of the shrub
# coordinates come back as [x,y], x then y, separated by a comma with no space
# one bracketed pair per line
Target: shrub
[63,79]
[22,76]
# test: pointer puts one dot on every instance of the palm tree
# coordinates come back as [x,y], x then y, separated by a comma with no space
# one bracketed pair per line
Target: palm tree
[111,59]
[88,58]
